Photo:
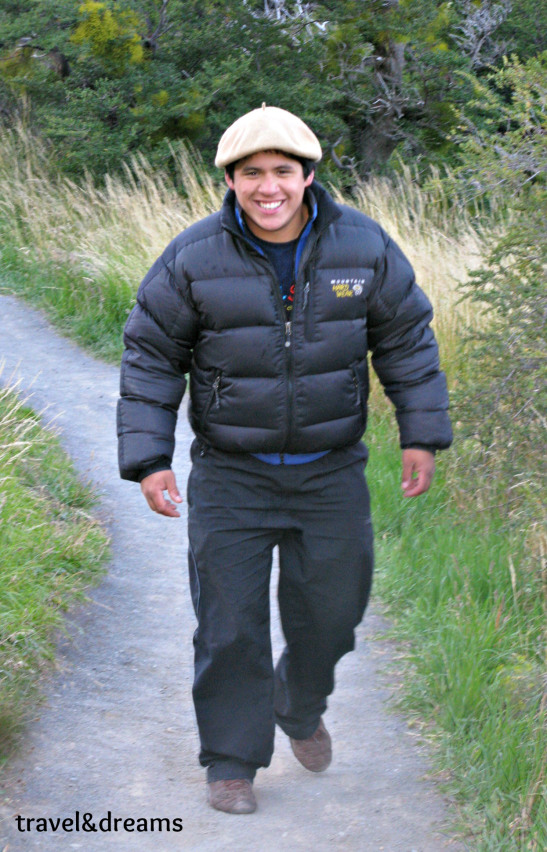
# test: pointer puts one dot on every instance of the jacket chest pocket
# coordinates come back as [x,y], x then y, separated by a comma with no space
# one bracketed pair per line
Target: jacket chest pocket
[346,298]
[307,310]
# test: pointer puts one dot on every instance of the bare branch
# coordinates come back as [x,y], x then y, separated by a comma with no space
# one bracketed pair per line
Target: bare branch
[346,163]
[478,24]
[150,40]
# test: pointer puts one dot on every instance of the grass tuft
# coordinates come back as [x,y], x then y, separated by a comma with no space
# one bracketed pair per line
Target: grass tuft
[471,615]
[51,549]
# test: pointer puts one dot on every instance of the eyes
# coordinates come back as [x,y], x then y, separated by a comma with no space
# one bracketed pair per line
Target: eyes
[284,171]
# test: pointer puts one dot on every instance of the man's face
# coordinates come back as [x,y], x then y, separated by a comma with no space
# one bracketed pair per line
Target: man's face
[270,190]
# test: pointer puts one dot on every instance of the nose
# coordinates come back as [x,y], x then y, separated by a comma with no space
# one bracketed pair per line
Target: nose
[269,184]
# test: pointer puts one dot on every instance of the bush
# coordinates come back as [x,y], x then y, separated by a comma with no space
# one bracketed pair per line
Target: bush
[501,402]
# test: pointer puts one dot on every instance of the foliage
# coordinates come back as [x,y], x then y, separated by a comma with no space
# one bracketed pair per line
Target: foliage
[525,29]
[508,148]
[394,63]
[110,35]
[103,80]
[501,400]
[502,403]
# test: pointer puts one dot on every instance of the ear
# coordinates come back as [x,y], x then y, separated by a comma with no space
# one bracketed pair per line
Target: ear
[309,179]
[229,180]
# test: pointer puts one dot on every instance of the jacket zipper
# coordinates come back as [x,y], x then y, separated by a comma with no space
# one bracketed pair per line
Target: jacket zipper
[288,329]
[287,335]
[306,255]
[308,312]
[306,295]
[357,386]
[214,396]
[216,386]
[286,341]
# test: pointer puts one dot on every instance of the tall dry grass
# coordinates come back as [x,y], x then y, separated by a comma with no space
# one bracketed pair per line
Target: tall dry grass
[80,250]
[137,213]
[95,242]
[441,235]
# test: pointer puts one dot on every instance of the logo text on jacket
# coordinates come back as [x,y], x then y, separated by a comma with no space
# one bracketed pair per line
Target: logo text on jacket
[347,287]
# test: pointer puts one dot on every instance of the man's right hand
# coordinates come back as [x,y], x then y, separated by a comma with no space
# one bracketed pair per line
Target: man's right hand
[153,487]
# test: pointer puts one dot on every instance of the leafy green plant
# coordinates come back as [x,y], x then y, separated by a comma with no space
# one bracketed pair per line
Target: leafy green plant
[502,404]
[111,35]
[103,80]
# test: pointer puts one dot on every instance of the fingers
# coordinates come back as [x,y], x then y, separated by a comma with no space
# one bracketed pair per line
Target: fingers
[418,472]
[419,484]
[163,507]
[153,488]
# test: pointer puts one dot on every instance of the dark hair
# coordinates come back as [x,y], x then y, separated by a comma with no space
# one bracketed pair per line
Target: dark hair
[308,166]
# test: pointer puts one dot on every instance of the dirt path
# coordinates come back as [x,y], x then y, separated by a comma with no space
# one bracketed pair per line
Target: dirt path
[116,732]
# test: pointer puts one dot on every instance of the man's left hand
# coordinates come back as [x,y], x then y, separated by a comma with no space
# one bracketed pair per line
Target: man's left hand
[418,470]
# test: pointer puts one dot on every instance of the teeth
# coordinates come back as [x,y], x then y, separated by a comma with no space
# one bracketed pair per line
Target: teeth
[269,206]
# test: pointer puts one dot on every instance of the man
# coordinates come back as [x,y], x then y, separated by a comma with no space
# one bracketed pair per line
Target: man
[270,306]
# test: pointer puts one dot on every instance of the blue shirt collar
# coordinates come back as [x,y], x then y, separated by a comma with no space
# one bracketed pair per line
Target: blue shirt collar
[312,206]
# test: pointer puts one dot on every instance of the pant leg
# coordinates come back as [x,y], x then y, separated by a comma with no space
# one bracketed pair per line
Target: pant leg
[326,563]
[230,564]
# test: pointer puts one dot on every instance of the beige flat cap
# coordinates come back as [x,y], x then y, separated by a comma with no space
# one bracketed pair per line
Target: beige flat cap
[265,129]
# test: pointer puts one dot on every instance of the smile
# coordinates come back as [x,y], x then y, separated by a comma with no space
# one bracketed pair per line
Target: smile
[269,205]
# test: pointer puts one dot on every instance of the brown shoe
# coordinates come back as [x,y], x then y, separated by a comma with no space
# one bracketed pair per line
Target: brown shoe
[233,796]
[315,753]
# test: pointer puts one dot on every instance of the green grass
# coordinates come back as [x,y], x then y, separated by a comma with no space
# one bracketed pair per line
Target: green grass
[468,609]
[51,549]
[92,316]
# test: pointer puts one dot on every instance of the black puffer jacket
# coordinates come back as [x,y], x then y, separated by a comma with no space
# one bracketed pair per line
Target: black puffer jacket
[210,306]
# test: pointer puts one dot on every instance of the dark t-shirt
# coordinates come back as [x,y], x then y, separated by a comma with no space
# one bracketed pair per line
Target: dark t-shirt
[282,256]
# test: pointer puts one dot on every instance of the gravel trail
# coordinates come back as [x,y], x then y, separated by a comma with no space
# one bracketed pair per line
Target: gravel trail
[116,731]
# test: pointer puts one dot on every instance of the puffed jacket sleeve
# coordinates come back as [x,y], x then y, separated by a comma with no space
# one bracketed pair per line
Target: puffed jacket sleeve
[159,336]
[405,354]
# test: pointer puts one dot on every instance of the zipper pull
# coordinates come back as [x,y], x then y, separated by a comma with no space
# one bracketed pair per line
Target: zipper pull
[357,388]
[287,334]
[306,295]
[216,385]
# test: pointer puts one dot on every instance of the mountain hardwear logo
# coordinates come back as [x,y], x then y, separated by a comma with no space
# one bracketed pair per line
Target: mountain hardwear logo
[347,287]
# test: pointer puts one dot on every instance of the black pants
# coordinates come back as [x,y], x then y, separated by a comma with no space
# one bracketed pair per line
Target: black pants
[240,508]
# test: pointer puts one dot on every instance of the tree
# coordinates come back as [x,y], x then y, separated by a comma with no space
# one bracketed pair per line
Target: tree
[110,35]
[102,79]
[477,33]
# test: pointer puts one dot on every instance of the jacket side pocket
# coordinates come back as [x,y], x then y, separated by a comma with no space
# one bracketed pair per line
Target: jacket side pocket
[213,399]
